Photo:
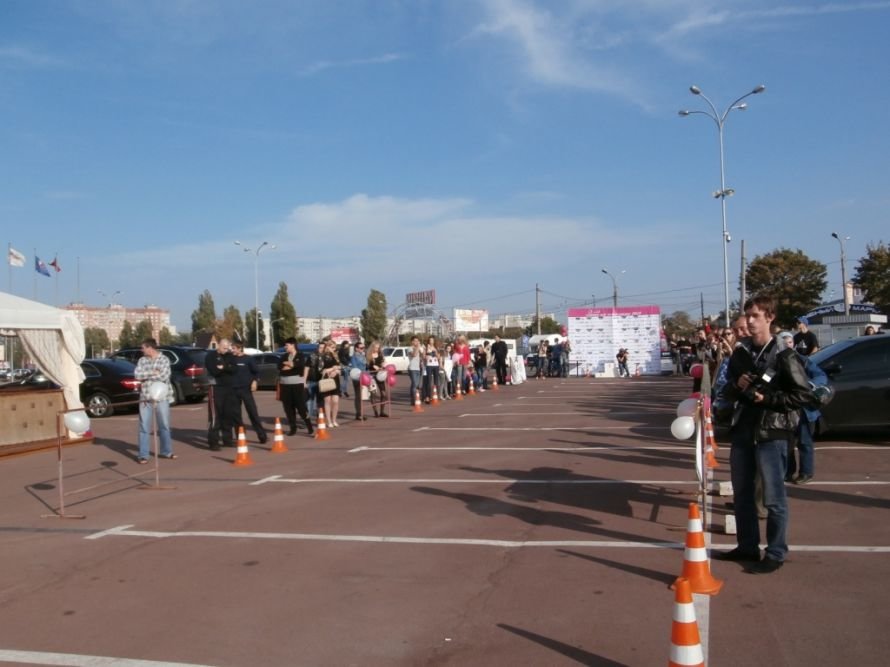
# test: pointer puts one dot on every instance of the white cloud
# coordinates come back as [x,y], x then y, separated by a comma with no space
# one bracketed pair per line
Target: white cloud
[322,65]
[28,57]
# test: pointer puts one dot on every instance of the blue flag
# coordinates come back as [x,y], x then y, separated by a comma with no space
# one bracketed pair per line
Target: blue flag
[40,267]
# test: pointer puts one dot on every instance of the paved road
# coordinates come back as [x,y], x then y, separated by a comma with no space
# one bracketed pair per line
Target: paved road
[537,525]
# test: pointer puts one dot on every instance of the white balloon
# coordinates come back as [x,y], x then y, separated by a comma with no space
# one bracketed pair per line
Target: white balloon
[687,407]
[381,376]
[157,391]
[77,421]
[355,374]
[683,427]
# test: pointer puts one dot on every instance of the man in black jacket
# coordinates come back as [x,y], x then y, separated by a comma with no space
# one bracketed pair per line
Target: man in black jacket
[499,351]
[244,384]
[769,386]
[222,404]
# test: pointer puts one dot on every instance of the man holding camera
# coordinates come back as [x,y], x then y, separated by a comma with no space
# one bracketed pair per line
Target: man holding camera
[769,387]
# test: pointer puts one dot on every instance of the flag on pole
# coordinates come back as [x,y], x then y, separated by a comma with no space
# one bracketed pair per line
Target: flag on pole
[15,257]
[40,267]
[55,264]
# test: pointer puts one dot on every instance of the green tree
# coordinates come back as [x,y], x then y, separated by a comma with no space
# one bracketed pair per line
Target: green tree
[127,336]
[680,323]
[230,324]
[373,320]
[204,318]
[165,337]
[282,315]
[250,327]
[143,330]
[873,275]
[96,341]
[548,326]
[794,280]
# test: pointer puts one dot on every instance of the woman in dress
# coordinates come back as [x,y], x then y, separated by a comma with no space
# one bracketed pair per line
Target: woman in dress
[431,379]
[374,362]
[331,369]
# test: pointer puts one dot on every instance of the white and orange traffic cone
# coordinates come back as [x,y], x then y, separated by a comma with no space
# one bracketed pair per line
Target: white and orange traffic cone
[471,390]
[695,558]
[418,407]
[494,383]
[686,648]
[435,399]
[242,457]
[458,394]
[278,446]
[321,426]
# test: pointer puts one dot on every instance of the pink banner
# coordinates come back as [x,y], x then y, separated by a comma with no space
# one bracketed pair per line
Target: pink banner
[608,312]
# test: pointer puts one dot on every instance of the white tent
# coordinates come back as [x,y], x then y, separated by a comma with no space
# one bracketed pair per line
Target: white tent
[53,338]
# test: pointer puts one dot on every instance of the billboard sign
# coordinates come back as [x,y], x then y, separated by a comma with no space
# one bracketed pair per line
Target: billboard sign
[425,298]
[470,320]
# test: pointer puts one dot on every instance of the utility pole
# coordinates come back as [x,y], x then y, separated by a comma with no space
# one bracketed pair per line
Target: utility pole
[701,296]
[538,307]
[743,283]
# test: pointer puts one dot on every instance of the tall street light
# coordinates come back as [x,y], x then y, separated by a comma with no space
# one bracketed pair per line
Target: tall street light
[256,283]
[723,192]
[841,240]
[614,288]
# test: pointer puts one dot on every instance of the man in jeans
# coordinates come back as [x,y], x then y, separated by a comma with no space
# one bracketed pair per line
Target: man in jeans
[153,367]
[769,386]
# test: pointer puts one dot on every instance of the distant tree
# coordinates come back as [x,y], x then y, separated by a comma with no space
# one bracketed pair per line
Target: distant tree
[282,315]
[250,327]
[548,326]
[165,337]
[143,330]
[96,341]
[204,318]
[182,338]
[127,337]
[794,280]
[373,320]
[873,275]
[680,323]
[231,325]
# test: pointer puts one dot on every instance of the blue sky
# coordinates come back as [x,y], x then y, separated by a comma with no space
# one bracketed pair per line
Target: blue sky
[472,147]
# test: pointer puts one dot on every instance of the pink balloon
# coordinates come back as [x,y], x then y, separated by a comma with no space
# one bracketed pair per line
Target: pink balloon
[696,371]
[365,379]
[391,380]
[391,369]
[695,394]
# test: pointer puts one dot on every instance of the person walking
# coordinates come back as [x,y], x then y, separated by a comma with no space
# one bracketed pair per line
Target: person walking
[154,367]
[244,385]
[415,368]
[345,358]
[359,362]
[621,357]
[375,364]
[293,372]
[769,387]
[542,360]
[499,351]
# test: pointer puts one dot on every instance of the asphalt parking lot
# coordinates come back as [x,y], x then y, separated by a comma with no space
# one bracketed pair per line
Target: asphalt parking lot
[537,525]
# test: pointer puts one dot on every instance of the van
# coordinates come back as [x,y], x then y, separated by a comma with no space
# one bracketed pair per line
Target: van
[398,357]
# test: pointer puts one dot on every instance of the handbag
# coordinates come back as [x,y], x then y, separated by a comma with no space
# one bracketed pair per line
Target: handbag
[327,384]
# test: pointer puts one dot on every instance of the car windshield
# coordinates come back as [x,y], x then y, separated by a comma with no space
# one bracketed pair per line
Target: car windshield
[387,351]
[830,350]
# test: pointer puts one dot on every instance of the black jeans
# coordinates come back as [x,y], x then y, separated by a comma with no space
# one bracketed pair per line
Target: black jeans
[293,400]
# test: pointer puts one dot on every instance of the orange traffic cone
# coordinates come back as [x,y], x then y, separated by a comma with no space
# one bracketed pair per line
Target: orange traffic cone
[435,399]
[494,383]
[471,391]
[695,558]
[709,425]
[686,648]
[458,394]
[418,407]
[278,446]
[242,458]
[321,426]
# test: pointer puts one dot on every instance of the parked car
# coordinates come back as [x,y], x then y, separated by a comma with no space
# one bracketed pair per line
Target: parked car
[189,377]
[859,372]
[267,366]
[398,357]
[108,383]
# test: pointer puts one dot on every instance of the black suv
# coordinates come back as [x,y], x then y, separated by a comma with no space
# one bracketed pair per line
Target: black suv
[188,375]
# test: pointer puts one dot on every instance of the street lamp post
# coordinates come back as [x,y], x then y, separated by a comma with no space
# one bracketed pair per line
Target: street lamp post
[723,192]
[614,288]
[256,283]
[841,240]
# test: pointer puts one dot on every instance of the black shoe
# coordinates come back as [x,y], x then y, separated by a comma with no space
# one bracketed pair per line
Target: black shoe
[215,448]
[263,438]
[789,478]
[292,431]
[803,479]
[766,566]
[737,555]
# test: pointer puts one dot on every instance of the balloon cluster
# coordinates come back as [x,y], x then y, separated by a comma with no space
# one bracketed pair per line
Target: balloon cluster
[683,426]
[77,421]
[388,375]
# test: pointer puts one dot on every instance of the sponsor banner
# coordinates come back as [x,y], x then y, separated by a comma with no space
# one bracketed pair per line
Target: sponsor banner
[596,334]
[350,334]
[470,320]
[427,297]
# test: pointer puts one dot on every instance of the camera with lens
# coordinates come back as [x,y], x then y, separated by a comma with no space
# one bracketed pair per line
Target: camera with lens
[759,383]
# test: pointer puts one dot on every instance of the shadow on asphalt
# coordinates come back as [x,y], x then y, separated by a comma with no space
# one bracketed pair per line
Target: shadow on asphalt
[665,578]
[581,656]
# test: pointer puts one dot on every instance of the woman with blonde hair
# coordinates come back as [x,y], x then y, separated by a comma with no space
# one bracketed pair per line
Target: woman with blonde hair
[375,365]
[330,370]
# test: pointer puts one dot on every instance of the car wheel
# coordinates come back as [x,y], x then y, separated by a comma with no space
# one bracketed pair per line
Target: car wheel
[99,405]
[196,398]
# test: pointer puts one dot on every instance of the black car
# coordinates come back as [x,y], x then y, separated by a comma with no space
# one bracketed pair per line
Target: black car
[267,367]
[859,371]
[108,383]
[188,375]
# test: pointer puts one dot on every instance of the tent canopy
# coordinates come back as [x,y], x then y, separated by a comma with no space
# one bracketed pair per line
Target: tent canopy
[53,338]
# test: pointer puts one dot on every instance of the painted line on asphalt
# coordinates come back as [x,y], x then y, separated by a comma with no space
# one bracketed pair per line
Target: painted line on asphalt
[601,413]
[365,448]
[74,660]
[500,480]
[125,531]
[541,428]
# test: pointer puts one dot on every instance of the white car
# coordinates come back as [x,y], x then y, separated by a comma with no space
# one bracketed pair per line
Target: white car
[398,357]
